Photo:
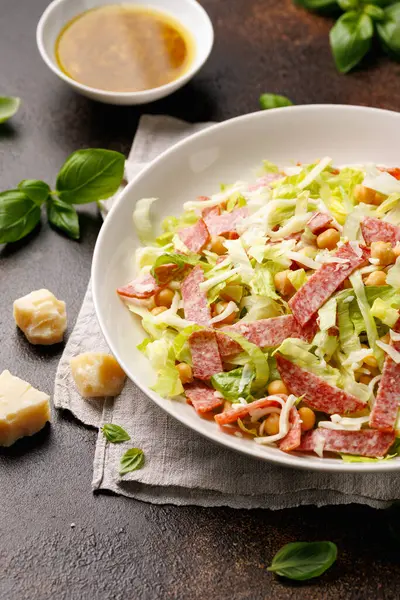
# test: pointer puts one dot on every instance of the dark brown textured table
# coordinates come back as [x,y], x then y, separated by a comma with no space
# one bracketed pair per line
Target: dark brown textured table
[119,548]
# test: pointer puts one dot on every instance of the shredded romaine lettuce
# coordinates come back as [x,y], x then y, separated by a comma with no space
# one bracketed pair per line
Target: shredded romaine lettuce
[234,384]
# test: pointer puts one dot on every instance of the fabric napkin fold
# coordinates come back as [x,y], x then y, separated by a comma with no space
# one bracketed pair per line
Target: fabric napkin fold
[181,466]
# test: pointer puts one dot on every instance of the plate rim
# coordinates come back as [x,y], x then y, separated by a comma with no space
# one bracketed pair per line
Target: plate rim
[295,461]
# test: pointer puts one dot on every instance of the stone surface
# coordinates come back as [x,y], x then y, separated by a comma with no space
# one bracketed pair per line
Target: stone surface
[58,540]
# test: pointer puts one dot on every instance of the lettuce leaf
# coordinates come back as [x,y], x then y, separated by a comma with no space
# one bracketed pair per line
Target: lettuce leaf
[382,310]
[234,384]
[257,359]
[299,352]
[180,260]
[262,284]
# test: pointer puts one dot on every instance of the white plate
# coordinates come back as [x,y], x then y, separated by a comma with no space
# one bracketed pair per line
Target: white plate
[222,154]
[187,12]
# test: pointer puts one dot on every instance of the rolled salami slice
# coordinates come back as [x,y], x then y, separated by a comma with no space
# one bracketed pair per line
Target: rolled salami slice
[318,394]
[240,411]
[376,230]
[143,287]
[203,398]
[225,223]
[195,304]
[205,354]
[324,282]
[195,237]
[367,442]
[292,439]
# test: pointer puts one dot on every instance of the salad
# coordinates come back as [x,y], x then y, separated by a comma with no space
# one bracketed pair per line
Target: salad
[273,307]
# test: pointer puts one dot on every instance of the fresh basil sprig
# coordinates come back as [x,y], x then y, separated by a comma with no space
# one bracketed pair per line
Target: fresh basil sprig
[268,101]
[304,560]
[115,433]
[86,176]
[132,460]
[351,36]
[8,107]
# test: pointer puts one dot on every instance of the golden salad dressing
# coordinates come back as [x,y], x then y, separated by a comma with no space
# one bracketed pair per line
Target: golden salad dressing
[124,48]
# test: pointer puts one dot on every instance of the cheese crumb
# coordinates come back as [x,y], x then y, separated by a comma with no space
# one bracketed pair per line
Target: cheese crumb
[41,317]
[23,409]
[97,374]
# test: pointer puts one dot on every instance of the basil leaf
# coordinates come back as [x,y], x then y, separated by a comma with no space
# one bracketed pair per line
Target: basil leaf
[35,189]
[304,560]
[375,12]
[18,215]
[132,460]
[114,433]
[350,39]
[63,216]
[8,107]
[389,30]
[268,101]
[90,175]
[348,4]
[317,4]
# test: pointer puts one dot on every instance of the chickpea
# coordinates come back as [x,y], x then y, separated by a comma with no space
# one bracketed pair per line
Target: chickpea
[383,251]
[185,372]
[217,245]
[164,298]
[307,417]
[283,283]
[328,239]
[385,338]
[368,196]
[271,426]
[277,387]
[218,308]
[157,310]
[376,278]
[365,379]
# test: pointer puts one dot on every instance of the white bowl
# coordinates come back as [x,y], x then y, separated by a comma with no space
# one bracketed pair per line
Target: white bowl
[188,12]
[196,166]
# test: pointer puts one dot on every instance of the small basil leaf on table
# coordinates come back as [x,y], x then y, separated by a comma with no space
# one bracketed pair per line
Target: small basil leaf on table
[132,460]
[350,39]
[114,433]
[63,216]
[375,12]
[8,107]
[18,215]
[268,101]
[304,560]
[36,190]
[90,175]
[389,30]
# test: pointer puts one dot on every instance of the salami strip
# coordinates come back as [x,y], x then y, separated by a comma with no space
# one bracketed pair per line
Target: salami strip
[366,442]
[394,171]
[195,237]
[384,412]
[324,282]
[195,304]
[210,212]
[205,355]
[203,398]
[318,394]
[375,230]
[318,222]
[166,272]
[143,287]
[265,333]
[292,439]
[225,223]
[244,410]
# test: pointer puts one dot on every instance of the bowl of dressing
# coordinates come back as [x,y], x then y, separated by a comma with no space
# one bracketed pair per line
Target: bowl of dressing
[129,52]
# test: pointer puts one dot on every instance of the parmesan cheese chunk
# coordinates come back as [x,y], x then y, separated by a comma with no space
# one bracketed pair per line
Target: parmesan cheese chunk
[42,317]
[23,409]
[97,374]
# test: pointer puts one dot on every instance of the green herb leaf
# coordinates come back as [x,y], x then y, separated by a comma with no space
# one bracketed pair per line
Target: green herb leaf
[389,30]
[317,4]
[268,101]
[18,215]
[132,460]
[304,560]
[63,216]
[90,175]
[350,39]
[375,12]
[35,189]
[114,433]
[349,4]
[8,107]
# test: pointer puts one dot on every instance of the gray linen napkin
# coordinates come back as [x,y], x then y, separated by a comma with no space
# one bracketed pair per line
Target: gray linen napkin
[181,466]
